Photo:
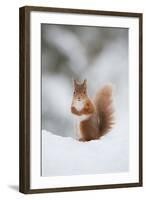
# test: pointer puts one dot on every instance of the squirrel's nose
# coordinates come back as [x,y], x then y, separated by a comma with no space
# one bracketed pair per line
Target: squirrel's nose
[79,99]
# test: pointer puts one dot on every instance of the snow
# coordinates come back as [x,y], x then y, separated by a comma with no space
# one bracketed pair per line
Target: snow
[100,55]
[63,156]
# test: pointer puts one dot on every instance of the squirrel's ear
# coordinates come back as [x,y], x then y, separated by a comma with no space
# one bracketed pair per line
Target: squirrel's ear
[74,82]
[85,82]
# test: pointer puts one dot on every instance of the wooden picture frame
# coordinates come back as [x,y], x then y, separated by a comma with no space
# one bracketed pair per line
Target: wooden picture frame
[25,99]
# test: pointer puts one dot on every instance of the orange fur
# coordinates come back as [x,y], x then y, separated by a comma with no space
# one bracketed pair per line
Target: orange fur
[98,113]
[103,103]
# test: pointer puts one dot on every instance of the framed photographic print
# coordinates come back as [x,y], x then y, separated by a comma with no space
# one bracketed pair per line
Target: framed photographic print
[80,99]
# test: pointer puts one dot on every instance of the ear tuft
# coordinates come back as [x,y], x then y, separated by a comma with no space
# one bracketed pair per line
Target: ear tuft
[74,82]
[85,82]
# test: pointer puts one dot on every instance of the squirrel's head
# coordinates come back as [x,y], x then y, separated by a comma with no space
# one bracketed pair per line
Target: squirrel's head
[80,90]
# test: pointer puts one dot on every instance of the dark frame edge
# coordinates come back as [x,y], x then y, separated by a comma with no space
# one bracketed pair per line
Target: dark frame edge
[81,11]
[83,188]
[141,99]
[24,102]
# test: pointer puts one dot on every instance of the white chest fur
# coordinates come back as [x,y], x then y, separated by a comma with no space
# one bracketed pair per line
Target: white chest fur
[78,105]
[78,121]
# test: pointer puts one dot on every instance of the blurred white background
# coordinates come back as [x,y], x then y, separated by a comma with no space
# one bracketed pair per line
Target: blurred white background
[99,54]
[9,49]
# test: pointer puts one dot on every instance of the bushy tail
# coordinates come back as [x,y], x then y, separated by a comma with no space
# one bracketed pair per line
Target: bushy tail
[103,103]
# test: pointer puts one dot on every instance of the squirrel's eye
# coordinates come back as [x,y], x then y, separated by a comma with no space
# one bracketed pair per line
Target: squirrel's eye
[84,92]
[74,93]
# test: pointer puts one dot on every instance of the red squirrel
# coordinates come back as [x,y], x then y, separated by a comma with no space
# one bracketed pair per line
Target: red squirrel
[94,117]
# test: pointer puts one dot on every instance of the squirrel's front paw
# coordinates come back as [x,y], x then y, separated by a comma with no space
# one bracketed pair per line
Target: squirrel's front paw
[75,111]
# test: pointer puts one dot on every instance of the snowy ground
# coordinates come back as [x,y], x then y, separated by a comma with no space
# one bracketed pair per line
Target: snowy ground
[101,56]
[67,156]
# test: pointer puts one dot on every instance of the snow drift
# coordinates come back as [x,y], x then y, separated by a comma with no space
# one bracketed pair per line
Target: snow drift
[66,156]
